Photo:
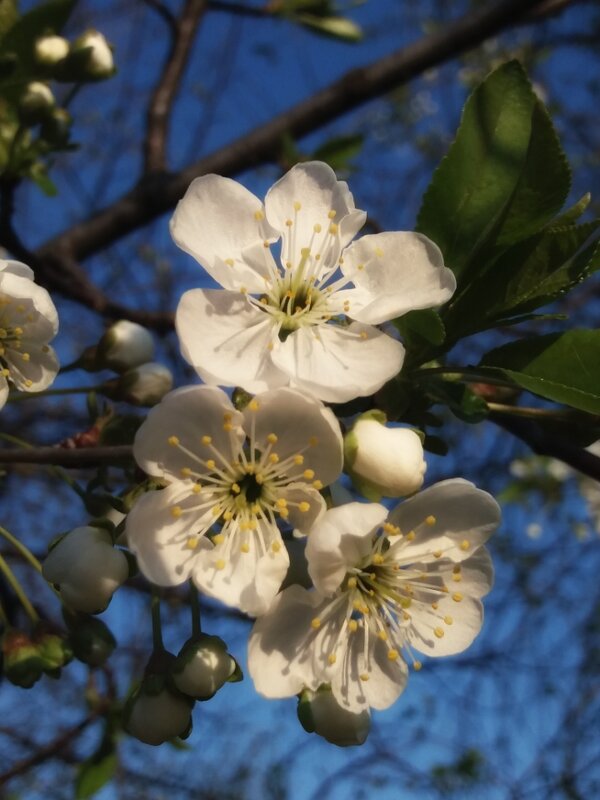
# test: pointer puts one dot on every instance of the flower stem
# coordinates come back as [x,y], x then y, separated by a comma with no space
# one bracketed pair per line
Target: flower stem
[553,414]
[157,640]
[22,396]
[195,609]
[21,548]
[4,623]
[18,590]
[464,373]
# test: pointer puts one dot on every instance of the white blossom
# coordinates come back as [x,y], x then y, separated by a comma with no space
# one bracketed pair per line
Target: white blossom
[383,588]
[233,475]
[28,321]
[310,320]
[100,62]
[49,50]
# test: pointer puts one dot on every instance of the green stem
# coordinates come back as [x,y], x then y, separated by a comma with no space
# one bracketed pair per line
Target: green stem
[195,609]
[157,640]
[3,617]
[18,590]
[553,414]
[21,548]
[465,374]
[21,396]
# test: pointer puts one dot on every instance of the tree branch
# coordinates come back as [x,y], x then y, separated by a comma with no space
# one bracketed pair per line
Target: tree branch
[184,30]
[58,456]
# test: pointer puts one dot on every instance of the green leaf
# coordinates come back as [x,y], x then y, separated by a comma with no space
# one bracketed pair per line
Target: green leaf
[563,367]
[573,213]
[337,152]
[9,14]
[417,327]
[462,401]
[96,771]
[528,275]
[504,177]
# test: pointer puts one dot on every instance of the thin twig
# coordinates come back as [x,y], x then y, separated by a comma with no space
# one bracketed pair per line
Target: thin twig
[77,457]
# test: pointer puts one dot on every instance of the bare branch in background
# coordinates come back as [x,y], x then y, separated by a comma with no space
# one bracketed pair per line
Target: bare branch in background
[77,457]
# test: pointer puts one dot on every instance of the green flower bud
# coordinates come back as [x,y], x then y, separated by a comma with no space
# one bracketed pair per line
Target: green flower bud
[22,663]
[145,385]
[203,666]
[320,713]
[37,103]
[124,345]
[90,638]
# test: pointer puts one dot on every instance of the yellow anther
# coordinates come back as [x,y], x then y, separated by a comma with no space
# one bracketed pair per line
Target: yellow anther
[192,542]
[5,372]
[274,458]
[206,440]
[288,264]
[332,658]
[309,474]
[289,223]
[393,654]
[448,619]
[216,511]
[435,606]
[378,252]
[364,676]
[230,262]
[176,511]
[332,214]
[3,333]
[253,405]
[437,553]
[272,438]
[218,538]
[352,582]
[417,665]
[18,331]
[317,228]
[410,536]
[258,215]
[297,205]
[353,626]
[360,266]
[363,335]
[457,597]
[405,602]
[378,559]
[406,617]
[227,426]
[281,502]
[284,512]
[346,305]
[245,548]
[298,459]
[383,636]
[394,530]
[304,506]
[465,544]
[196,488]
[318,485]
[430,520]
[438,632]
[333,229]
[235,488]
[313,441]
[211,464]
[243,290]
[259,478]
[276,547]
[173,441]
[255,508]
[270,346]
[266,244]
[220,564]
[315,623]
[185,472]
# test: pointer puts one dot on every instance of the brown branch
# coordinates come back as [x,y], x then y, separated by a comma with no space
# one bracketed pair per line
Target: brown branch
[58,456]
[57,262]
[164,93]
[545,444]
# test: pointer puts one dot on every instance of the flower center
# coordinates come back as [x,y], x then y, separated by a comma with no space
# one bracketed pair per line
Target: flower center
[11,336]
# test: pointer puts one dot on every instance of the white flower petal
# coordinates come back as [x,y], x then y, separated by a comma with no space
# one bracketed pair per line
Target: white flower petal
[217,220]
[3,391]
[314,187]
[279,649]
[462,516]
[227,340]
[395,272]
[16,268]
[167,546]
[37,313]
[188,414]
[302,425]
[300,517]
[341,539]
[476,576]
[467,619]
[37,372]
[246,580]
[340,364]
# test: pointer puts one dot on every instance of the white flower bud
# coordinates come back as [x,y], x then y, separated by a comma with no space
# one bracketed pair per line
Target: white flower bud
[156,718]
[100,62]
[36,102]
[86,568]
[203,666]
[320,713]
[49,50]
[384,461]
[145,385]
[125,345]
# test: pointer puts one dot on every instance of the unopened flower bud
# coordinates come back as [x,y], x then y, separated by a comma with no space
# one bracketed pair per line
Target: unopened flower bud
[22,663]
[384,461]
[320,713]
[123,346]
[56,129]
[145,385]
[36,103]
[49,50]
[156,718]
[99,62]
[203,666]
[86,568]
[90,638]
